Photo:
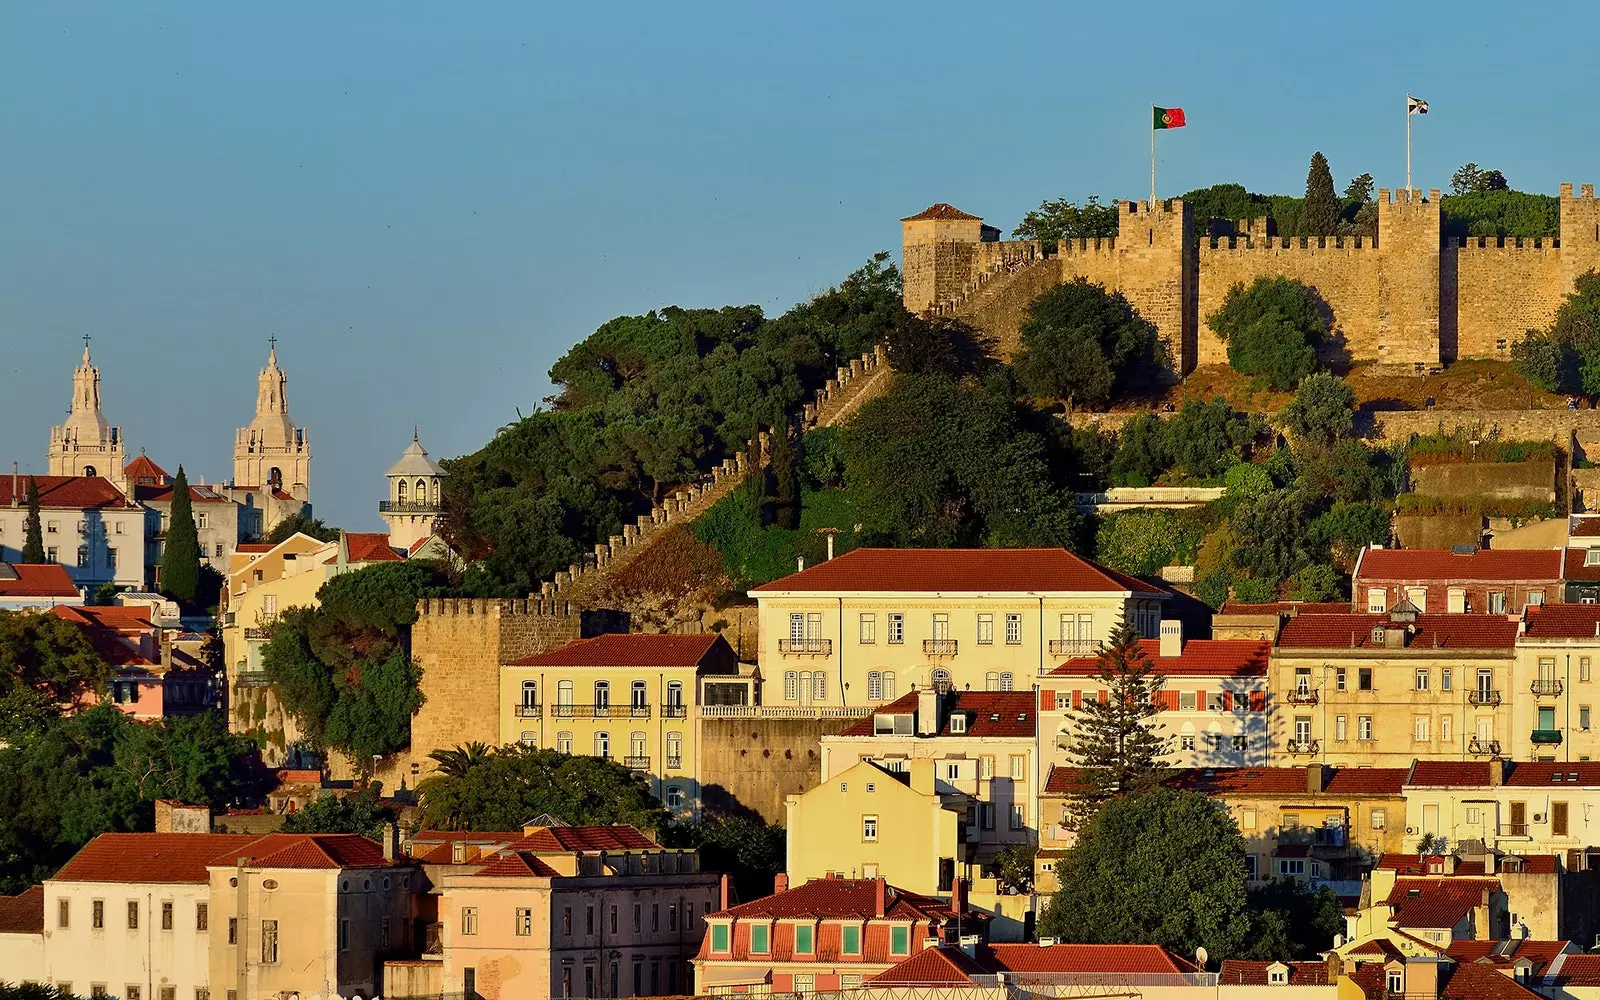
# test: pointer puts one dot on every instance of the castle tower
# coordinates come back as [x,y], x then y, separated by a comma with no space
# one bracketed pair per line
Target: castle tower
[938,251]
[412,509]
[272,451]
[1408,278]
[1580,234]
[1156,271]
[86,445]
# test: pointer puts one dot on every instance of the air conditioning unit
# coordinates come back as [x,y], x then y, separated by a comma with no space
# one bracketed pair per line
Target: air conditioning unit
[1538,817]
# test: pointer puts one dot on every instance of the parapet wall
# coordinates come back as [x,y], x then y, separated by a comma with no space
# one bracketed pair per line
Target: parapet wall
[756,763]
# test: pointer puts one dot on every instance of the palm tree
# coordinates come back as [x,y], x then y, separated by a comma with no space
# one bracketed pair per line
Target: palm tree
[452,766]
[457,762]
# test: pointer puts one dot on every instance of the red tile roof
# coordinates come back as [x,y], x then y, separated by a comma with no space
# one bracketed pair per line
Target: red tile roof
[1200,658]
[116,617]
[1240,972]
[143,468]
[1251,781]
[372,546]
[1573,565]
[942,966]
[1480,982]
[1564,621]
[310,850]
[1066,958]
[563,839]
[253,547]
[151,857]
[1450,773]
[1354,631]
[989,713]
[1540,774]
[66,493]
[1540,953]
[1480,565]
[1587,527]
[942,210]
[1579,970]
[629,650]
[24,912]
[834,898]
[514,863]
[38,580]
[1433,902]
[957,571]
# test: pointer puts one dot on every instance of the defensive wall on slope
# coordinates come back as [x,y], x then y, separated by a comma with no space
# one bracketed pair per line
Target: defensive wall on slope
[753,758]
[1406,297]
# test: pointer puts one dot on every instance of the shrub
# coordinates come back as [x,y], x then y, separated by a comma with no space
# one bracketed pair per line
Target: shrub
[1083,344]
[1272,330]
[1322,411]
[1140,542]
[1316,582]
[1253,590]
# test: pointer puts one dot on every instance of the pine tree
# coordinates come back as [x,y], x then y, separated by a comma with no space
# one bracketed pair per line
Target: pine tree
[1319,216]
[180,557]
[33,533]
[1114,742]
[785,481]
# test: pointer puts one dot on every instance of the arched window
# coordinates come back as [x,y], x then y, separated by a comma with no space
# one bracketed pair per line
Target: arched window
[422,492]
[874,686]
[674,750]
[563,697]
[88,470]
[436,492]
[941,680]
[991,681]
[602,745]
[790,685]
[638,695]
[274,476]
[636,746]
[888,685]
[530,694]
[602,695]
[819,686]
[529,739]
[675,699]
[564,742]
[1005,680]
[400,490]
[675,799]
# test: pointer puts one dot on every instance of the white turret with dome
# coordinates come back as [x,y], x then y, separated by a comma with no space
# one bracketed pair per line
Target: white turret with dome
[413,506]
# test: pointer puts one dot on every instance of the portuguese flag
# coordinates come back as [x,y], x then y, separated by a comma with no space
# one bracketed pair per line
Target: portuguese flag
[1169,117]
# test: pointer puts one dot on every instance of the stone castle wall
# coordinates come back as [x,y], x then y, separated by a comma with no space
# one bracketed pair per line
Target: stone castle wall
[1406,297]
[755,763]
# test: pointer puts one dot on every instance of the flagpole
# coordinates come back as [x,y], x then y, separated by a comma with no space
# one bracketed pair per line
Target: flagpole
[1153,156]
[1408,141]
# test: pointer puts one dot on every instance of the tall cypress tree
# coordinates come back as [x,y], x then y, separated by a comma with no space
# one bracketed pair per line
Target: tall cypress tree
[1319,216]
[1113,740]
[785,480]
[33,533]
[180,557]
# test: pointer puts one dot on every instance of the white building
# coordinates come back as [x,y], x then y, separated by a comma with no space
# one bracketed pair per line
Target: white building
[414,501]
[88,526]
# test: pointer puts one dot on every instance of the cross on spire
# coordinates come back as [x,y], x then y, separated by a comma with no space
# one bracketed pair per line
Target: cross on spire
[272,341]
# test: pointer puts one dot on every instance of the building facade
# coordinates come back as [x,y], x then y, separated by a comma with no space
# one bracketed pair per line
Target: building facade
[273,453]
[1557,689]
[411,509]
[88,526]
[1480,581]
[87,444]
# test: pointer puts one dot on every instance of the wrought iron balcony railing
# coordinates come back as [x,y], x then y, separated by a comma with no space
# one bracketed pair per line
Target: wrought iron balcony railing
[1545,736]
[674,763]
[1513,829]
[407,507]
[637,763]
[1483,748]
[1072,647]
[1301,696]
[805,647]
[939,647]
[674,711]
[1484,697]
[599,712]
[526,711]
[1547,687]
[1302,748]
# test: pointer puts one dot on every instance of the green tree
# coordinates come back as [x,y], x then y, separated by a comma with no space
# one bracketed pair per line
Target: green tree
[1360,189]
[784,465]
[180,553]
[1013,866]
[1322,411]
[515,782]
[360,813]
[1272,329]
[1316,582]
[1271,530]
[33,552]
[301,524]
[1139,856]
[745,846]
[1309,918]
[1469,179]
[48,655]
[1319,215]
[1227,203]
[1083,344]
[1114,741]
[1140,542]
[1144,452]
[1054,221]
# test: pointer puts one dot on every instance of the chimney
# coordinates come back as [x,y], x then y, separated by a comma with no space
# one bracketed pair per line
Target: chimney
[780,883]
[1497,772]
[799,564]
[958,895]
[391,841]
[1316,779]
[922,775]
[928,712]
[1172,638]
[1421,977]
[830,545]
[1491,861]
[725,890]
[880,896]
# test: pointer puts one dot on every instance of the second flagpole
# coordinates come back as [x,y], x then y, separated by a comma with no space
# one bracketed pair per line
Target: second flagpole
[1152,205]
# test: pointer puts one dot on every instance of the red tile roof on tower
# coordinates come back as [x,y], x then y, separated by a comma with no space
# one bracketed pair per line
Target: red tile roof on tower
[1564,621]
[66,493]
[24,912]
[989,713]
[370,547]
[1199,658]
[627,650]
[960,571]
[142,468]
[38,580]
[1433,902]
[1479,565]
[1240,972]
[1354,631]
[942,210]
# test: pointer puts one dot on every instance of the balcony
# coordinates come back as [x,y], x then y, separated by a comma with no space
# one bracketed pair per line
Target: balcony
[1513,829]
[674,763]
[1073,647]
[674,711]
[1547,687]
[1485,697]
[939,647]
[600,712]
[258,634]
[251,678]
[638,711]
[1301,696]
[1544,737]
[407,507]
[805,647]
[1305,748]
[637,763]
[530,711]
[1483,748]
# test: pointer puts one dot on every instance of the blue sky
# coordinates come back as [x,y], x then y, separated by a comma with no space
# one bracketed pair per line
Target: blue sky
[429,203]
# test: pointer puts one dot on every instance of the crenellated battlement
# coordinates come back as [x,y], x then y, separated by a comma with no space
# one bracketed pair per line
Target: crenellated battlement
[489,607]
[1547,244]
[1279,244]
[1084,246]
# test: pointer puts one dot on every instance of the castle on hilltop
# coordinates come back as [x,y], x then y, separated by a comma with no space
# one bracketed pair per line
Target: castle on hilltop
[1407,297]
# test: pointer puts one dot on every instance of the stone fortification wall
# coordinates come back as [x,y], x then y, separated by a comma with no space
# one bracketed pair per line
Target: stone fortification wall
[1502,288]
[1533,480]
[1559,426]
[757,760]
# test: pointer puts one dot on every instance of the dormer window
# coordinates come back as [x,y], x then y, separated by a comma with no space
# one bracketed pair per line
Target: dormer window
[1591,557]
[1380,636]
[1278,974]
[958,722]
[1396,982]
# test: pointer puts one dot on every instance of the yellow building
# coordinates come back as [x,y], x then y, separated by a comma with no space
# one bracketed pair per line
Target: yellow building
[263,582]
[868,626]
[1556,688]
[1536,808]
[635,698]
[867,821]
[1381,690]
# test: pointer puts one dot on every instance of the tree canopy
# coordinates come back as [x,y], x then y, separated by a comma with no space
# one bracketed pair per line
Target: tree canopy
[47,656]
[300,523]
[482,789]
[1319,214]
[1565,356]
[33,552]
[1058,220]
[1272,329]
[1115,744]
[1322,411]
[1085,345]
[180,553]
[329,813]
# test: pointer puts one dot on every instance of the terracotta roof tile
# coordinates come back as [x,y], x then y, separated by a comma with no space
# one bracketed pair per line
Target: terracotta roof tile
[1579,970]
[618,837]
[1480,565]
[116,617]
[1436,902]
[1541,774]
[373,546]
[988,713]
[829,898]
[957,571]
[38,580]
[151,857]
[24,912]
[942,966]
[311,850]
[1564,621]
[1199,658]
[1242,781]
[1239,972]
[253,547]
[1480,982]
[944,211]
[143,468]
[630,650]
[1573,565]
[1354,631]
[1506,953]
[1082,958]
[1449,773]
[67,493]
[511,862]
[1586,527]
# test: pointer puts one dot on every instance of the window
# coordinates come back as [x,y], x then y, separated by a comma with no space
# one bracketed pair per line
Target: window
[1239,743]
[1019,767]
[202,916]
[1446,726]
[1339,734]
[219,550]
[525,921]
[1377,818]
[1019,816]
[602,745]
[1558,819]
[613,914]
[202,993]
[201,520]
[588,919]
[602,695]
[897,628]
[383,933]
[344,935]
[1583,717]
[1338,679]
[1013,630]
[1005,680]
[1186,741]
[636,744]
[804,983]
[759,939]
[1446,679]
[1302,680]
[899,940]
[564,742]
[675,750]
[64,912]
[790,686]
[819,686]
[1422,678]
[869,828]
[1497,602]
[1396,981]
[566,920]
[941,626]
[1419,728]
[1364,679]
[52,554]
[874,685]
[850,940]
[1535,597]
[1377,601]
[52,527]
[1302,728]
[719,938]
[1364,727]
[1186,701]
[1583,668]
[269,606]
[803,940]
[1456,600]
[655,917]
[986,630]
[132,991]
[868,626]
[986,766]
[986,815]
[111,558]
[269,939]
[1547,717]
[469,920]
[991,681]
[672,916]
[83,555]
[166,915]
[233,930]
[958,722]
[1291,866]
[674,797]
[133,914]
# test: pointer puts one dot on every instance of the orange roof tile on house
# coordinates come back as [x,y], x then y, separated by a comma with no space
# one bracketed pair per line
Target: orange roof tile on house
[1542,774]
[115,617]
[1575,565]
[1586,527]
[1579,970]
[943,966]
[616,837]
[514,863]
[1081,958]
[1450,773]
[1563,621]
[1457,981]
[163,494]
[36,580]
[943,211]
[958,571]
[1199,658]
[1440,631]
[66,493]
[253,548]
[1478,566]
[310,850]
[151,857]
[141,469]
[836,898]
[631,650]
[373,546]
[1241,972]
[1251,781]
[988,713]
[24,912]
[1505,953]
[1432,902]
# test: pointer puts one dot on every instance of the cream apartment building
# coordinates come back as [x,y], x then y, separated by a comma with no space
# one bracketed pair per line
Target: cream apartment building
[1557,690]
[1535,808]
[866,627]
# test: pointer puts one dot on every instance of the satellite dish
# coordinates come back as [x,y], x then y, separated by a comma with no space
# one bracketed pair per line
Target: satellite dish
[1200,957]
